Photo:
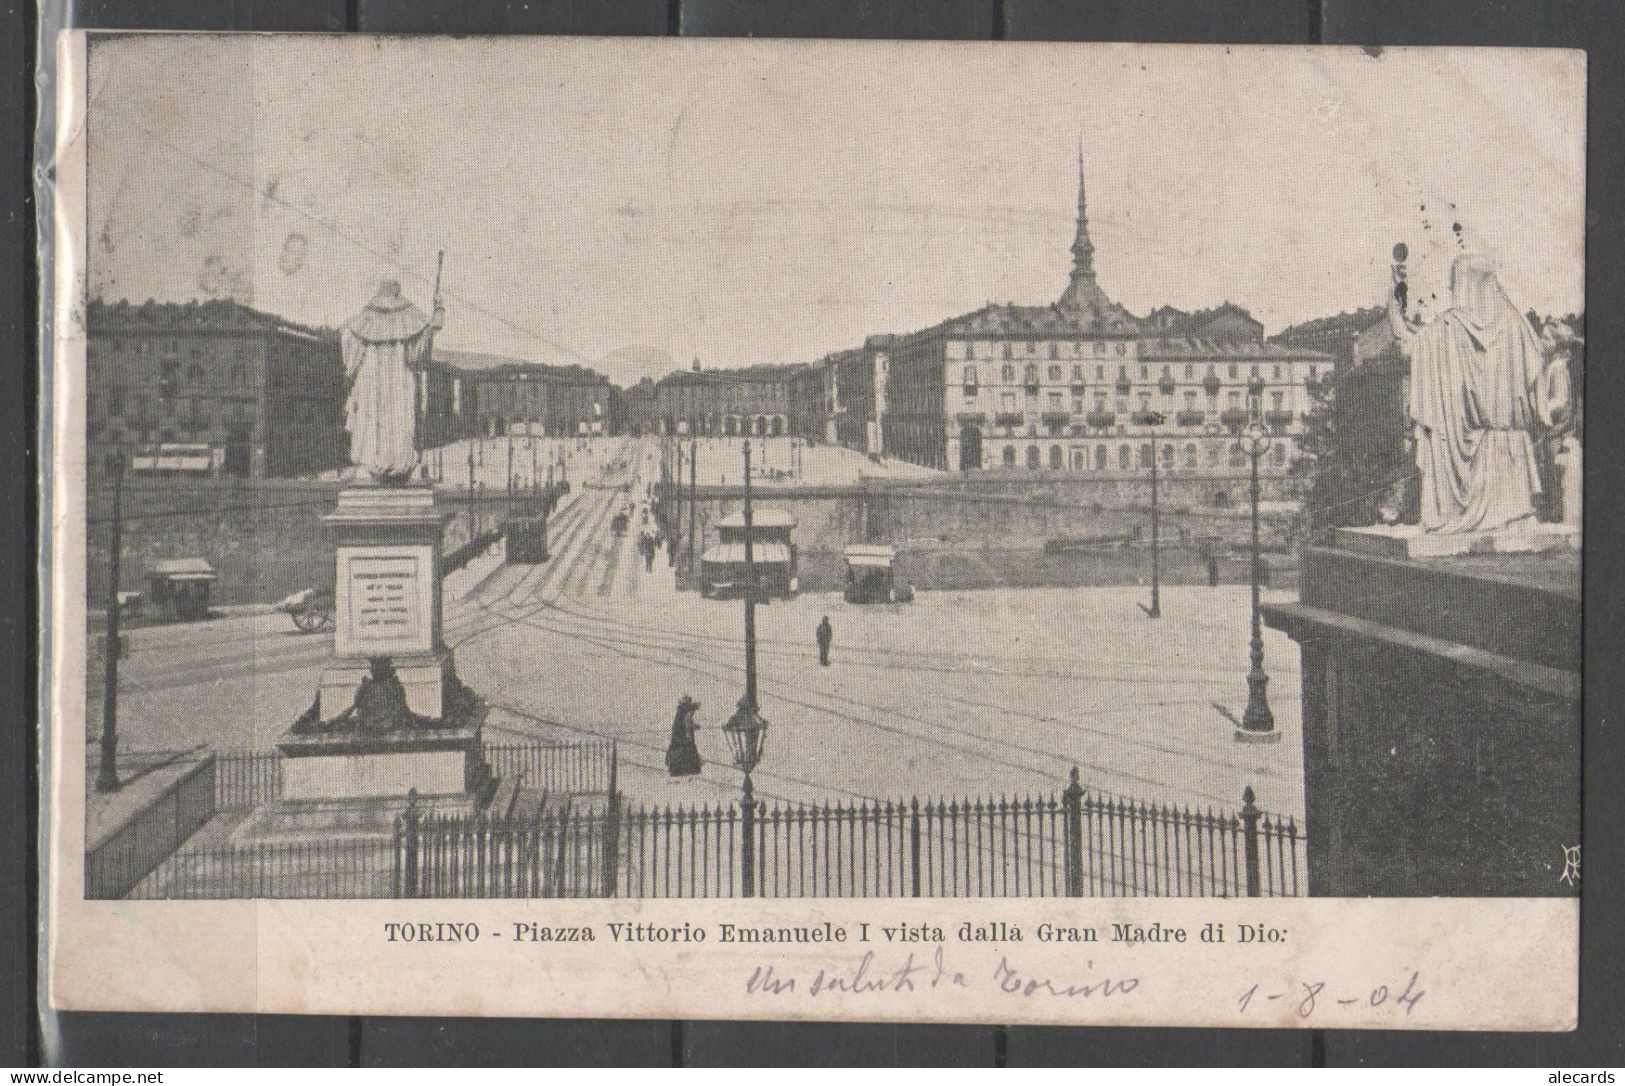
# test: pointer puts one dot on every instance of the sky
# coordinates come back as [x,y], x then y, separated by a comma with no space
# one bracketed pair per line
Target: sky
[636,203]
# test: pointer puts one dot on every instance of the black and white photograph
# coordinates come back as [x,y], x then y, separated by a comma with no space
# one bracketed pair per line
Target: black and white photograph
[635,470]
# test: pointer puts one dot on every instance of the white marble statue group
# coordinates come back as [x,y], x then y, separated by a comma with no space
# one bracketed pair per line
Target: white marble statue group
[1482,392]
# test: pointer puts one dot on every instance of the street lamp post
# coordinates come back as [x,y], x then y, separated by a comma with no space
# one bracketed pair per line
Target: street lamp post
[1257,722]
[746,730]
[1154,419]
[107,779]
[674,527]
[693,502]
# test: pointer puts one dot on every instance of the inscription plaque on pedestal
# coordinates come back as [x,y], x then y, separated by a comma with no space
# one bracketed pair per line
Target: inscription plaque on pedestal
[383,601]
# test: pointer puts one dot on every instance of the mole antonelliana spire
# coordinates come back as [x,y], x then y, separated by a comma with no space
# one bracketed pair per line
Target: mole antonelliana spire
[1082,292]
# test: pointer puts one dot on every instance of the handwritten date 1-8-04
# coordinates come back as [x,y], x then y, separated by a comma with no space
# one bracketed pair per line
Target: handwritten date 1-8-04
[1307,996]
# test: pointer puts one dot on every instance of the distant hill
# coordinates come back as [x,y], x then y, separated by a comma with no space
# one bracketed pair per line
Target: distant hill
[628,365]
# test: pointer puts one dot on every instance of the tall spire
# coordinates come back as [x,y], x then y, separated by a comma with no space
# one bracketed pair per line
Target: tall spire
[1082,292]
[1083,250]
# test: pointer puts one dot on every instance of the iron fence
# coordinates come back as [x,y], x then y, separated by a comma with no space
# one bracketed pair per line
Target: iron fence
[563,852]
[249,778]
[569,844]
[555,768]
[1069,843]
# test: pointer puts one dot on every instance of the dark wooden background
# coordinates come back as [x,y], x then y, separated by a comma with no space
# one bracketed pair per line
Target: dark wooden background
[170,1040]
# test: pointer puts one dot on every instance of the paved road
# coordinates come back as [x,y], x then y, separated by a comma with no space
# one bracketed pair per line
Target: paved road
[959,693]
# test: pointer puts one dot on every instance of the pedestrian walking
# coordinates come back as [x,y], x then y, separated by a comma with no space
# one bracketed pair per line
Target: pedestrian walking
[826,634]
[682,752]
[1212,571]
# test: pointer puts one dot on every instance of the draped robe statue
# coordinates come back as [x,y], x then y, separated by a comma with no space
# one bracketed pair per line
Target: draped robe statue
[1474,405]
[384,347]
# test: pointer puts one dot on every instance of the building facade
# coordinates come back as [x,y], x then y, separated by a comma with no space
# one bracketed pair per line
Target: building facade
[1081,385]
[497,395]
[759,401]
[209,389]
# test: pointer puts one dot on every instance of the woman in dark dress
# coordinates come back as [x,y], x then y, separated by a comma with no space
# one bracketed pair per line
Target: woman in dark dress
[682,754]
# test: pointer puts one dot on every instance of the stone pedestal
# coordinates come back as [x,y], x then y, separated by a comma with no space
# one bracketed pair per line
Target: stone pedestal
[1441,721]
[1410,541]
[441,762]
[416,729]
[388,558]
[386,595]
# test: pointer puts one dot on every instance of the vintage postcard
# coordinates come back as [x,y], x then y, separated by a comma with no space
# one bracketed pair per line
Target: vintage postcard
[911,532]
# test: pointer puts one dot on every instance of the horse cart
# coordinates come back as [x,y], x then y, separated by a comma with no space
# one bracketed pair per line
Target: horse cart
[310,609]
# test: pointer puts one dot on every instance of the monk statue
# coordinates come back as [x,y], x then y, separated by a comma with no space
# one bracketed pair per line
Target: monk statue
[1475,404]
[385,346]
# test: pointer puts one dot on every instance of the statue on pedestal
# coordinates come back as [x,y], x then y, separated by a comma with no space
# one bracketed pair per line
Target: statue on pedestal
[1476,400]
[385,346]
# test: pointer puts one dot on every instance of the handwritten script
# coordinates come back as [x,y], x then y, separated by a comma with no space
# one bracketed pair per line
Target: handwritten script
[1305,997]
[912,973]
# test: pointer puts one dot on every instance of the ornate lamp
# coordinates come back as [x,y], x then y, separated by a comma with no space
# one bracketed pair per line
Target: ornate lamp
[746,732]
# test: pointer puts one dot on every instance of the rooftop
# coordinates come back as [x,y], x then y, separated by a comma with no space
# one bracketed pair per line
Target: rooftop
[217,315]
[765,551]
[763,372]
[503,365]
[1339,324]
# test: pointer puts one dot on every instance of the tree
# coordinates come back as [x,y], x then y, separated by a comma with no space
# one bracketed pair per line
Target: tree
[1353,450]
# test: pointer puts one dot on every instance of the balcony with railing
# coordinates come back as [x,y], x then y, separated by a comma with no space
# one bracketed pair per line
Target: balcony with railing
[1234,417]
[1191,418]
[1055,420]
[1009,418]
[1278,421]
[1101,419]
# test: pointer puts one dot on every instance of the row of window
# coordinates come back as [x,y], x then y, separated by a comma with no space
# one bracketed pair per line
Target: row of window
[1128,457]
[194,409]
[1053,350]
[729,425]
[1056,402]
[970,376]
[169,375]
[170,348]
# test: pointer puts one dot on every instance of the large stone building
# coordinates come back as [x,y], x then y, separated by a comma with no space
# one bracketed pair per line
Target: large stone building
[1075,386]
[761,400]
[211,388]
[499,395]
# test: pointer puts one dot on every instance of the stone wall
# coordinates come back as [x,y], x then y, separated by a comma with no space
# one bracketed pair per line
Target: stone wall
[264,537]
[1020,532]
